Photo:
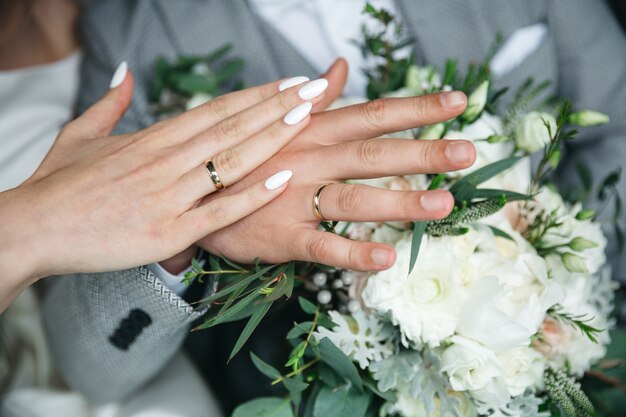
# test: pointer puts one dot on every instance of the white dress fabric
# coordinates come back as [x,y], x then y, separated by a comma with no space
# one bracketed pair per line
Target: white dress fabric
[35,103]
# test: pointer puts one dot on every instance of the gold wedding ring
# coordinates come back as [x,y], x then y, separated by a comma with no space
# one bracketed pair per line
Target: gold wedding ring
[316,202]
[215,177]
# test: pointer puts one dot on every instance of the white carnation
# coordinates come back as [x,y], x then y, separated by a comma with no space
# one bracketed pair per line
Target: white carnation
[424,303]
[522,369]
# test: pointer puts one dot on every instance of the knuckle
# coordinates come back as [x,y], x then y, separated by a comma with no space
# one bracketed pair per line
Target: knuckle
[218,107]
[370,153]
[374,113]
[349,199]
[227,161]
[317,249]
[231,127]
[216,212]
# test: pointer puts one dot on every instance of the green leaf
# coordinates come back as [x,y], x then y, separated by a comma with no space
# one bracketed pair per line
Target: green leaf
[585,176]
[466,184]
[490,194]
[436,182]
[501,233]
[265,368]
[295,386]
[341,402]
[307,306]
[265,407]
[291,278]
[224,316]
[340,363]
[239,284]
[196,265]
[300,329]
[195,83]
[418,232]
[252,324]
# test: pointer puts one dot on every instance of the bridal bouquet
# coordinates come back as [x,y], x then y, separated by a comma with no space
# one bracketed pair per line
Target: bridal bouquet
[497,310]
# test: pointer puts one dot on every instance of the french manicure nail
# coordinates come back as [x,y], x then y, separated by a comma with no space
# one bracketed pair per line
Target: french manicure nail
[278,180]
[313,89]
[459,152]
[119,75]
[452,99]
[291,82]
[435,200]
[381,257]
[297,114]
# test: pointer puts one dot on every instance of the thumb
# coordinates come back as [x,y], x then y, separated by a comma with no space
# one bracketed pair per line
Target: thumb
[337,75]
[102,117]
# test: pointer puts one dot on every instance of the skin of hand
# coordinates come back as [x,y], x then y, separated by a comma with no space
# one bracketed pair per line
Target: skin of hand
[100,203]
[337,146]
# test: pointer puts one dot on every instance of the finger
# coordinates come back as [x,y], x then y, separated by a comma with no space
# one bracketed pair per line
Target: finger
[224,211]
[332,250]
[201,118]
[235,129]
[337,75]
[362,203]
[376,158]
[102,117]
[233,164]
[382,116]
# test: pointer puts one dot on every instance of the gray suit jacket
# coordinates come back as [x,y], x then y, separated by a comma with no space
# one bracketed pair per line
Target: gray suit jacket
[110,333]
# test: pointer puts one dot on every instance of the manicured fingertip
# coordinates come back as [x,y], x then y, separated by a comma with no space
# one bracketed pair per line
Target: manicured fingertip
[313,89]
[278,180]
[292,82]
[119,75]
[298,113]
[437,202]
[461,152]
[453,100]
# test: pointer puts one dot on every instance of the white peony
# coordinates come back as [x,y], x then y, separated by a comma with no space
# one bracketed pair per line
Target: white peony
[472,367]
[531,133]
[522,368]
[425,303]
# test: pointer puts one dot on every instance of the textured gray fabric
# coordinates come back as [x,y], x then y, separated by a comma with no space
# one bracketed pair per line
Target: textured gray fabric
[584,55]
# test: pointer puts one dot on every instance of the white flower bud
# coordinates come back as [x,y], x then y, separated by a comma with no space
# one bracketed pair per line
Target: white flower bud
[324,297]
[198,99]
[580,243]
[319,279]
[574,263]
[432,132]
[531,133]
[476,102]
[586,214]
[586,118]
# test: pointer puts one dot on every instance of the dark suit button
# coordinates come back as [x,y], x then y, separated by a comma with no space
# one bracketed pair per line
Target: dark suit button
[130,328]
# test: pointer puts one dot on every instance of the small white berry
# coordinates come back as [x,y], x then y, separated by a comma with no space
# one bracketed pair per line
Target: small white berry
[354,306]
[337,284]
[319,279]
[324,297]
[347,277]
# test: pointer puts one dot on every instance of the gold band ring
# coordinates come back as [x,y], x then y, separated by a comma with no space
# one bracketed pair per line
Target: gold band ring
[215,177]
[316,202]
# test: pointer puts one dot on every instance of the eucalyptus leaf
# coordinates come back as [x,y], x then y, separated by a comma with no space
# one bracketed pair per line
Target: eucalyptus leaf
[307,306]
[265,407]
[418,232]
[341,402]
[340,363]
[462,188]
[265,368]
[252,324]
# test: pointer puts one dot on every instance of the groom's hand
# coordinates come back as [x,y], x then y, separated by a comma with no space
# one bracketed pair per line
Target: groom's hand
[338,145]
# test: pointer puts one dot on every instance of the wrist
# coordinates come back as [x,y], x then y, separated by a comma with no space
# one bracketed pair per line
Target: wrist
[178,263]
[21,255]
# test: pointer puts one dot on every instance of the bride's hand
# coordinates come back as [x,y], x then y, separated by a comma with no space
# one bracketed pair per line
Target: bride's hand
[337,146]
[99,204]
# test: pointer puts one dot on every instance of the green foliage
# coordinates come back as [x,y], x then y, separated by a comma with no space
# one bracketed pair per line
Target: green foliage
[265,407]
[576,321]
[174,83]
[566,396]
[342,401]
[608,191]
[332,356]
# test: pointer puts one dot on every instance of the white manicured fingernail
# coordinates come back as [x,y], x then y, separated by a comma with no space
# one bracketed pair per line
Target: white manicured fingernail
[119,75]
[278,180]
[290,82]
[313,89]
[297,114]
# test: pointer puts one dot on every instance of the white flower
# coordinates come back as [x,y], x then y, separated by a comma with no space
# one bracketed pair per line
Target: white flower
[198,99]
[422,80]
[522,368]
[425,303]
[409,406]
[571,228]
[474,368]
[531,133]
[361,337]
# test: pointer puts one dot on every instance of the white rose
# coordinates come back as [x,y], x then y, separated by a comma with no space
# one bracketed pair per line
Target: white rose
[474,368]
[531,133]
[198,99]
[424,303]
[522,368]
